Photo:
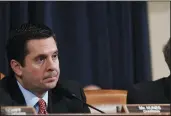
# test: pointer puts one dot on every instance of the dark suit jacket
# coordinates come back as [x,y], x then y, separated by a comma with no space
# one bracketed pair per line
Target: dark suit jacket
[11,95]
[152,92]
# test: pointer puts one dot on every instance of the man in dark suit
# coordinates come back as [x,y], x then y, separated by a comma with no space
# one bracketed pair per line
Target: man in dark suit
[34,74]
[153,92]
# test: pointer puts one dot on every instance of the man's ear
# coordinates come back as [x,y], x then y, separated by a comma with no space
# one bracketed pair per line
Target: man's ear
[16,67]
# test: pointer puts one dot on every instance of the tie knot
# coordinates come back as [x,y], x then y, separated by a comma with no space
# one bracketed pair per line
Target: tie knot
[42,107]
[42,102]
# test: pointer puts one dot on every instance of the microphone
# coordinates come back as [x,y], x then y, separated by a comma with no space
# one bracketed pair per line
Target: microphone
[72,95]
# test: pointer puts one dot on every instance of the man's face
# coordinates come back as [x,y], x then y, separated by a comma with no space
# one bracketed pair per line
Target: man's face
[41,70]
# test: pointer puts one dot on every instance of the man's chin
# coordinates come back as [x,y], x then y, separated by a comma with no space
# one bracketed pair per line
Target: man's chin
[50,85]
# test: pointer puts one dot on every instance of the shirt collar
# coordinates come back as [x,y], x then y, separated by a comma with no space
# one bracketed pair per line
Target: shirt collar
[30,98]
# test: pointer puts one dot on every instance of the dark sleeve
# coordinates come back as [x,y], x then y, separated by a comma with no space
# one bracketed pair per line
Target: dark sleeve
[135,96]
[147,93]
[85,107]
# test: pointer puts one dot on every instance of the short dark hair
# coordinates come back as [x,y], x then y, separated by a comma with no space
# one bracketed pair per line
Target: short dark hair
[167,54]
[17,42]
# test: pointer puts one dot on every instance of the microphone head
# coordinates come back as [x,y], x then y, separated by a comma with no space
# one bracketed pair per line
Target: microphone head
[67,93]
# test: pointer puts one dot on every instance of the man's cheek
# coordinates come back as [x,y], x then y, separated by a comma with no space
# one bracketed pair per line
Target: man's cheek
[36,70]
[34,73]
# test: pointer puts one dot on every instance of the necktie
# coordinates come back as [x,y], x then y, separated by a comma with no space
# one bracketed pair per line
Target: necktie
[42,107]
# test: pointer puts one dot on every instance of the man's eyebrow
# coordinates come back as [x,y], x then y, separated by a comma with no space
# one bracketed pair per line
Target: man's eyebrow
[41,55]
[56,52]
[44,55]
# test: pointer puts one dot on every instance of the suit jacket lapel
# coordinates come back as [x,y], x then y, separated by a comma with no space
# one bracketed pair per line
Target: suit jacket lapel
[57,102]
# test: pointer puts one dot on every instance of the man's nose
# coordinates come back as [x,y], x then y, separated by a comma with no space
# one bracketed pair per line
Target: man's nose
[51,64]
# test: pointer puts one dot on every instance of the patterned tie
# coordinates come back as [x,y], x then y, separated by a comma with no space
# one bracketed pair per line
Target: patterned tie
[42,107]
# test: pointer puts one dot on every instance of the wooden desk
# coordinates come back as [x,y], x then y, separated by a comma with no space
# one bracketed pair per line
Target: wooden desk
[117,114]
[31,111]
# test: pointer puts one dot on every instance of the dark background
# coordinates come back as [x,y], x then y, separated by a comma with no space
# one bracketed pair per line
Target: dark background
[102,43]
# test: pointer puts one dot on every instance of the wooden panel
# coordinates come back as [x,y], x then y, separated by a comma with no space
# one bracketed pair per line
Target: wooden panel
[99,97]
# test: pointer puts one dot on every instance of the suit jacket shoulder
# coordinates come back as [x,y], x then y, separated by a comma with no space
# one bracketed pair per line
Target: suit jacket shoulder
[71,104]
[150,92]
[73,87]
[5,98]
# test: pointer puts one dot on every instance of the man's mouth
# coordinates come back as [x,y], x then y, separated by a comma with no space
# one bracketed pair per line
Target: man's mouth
[50,79]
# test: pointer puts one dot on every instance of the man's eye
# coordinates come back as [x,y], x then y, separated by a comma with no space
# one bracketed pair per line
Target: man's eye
[40,59]
[55,56]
